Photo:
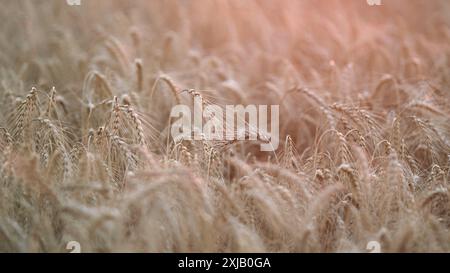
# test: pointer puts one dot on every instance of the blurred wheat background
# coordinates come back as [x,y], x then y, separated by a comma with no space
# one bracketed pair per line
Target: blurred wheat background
[86,153]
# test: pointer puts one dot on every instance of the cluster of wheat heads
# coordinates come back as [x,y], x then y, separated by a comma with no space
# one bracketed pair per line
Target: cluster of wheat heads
[86,153]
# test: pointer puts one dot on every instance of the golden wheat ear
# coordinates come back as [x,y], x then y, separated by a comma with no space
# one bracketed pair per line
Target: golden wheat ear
[173,87]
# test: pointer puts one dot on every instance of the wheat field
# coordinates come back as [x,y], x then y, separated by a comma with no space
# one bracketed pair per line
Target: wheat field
[87,156]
